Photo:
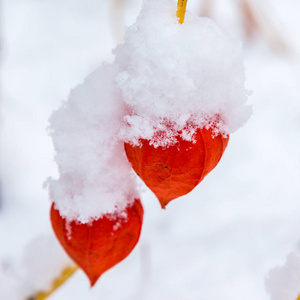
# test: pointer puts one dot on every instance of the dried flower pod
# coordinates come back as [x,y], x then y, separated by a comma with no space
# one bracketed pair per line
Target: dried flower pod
[101,244]
[174,171]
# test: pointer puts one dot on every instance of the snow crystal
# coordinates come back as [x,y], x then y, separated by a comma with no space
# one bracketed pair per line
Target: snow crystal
[179,76]
[95,177]
[283,283]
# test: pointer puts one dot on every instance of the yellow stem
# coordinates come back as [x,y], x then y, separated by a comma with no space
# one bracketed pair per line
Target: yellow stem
[181,6]
[63,277]
[298,298]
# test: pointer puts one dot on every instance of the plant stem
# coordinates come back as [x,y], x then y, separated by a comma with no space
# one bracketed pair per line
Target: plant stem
[63,277]
[181,6]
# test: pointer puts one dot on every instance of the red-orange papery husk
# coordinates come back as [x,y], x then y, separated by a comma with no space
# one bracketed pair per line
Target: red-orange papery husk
[171,172]
[98,246]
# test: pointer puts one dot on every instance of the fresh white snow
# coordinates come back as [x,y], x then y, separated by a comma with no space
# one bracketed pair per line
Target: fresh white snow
[218,242]
[167,78]
[174,77]
[95,176]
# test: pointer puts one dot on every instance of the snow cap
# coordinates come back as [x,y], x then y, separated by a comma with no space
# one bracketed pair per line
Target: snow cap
[179,76]
[167,79]
[95,176]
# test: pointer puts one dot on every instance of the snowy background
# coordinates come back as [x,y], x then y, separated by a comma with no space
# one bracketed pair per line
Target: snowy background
[218,242]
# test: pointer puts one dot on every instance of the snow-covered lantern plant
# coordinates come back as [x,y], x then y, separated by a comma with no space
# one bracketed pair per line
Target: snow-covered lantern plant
[173,95]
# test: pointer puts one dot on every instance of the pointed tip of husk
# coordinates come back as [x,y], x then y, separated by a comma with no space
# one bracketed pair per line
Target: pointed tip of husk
[163,206]
[163,203]
[93,280]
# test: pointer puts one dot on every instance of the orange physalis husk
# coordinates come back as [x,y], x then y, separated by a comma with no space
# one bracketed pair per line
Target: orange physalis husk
[174,171]
[98,246]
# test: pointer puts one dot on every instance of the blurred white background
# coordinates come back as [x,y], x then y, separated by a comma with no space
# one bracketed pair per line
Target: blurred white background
[219,241]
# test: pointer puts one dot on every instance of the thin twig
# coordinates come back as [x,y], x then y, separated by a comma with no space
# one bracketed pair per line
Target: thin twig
[206,8]
[117,23]
[255,21]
